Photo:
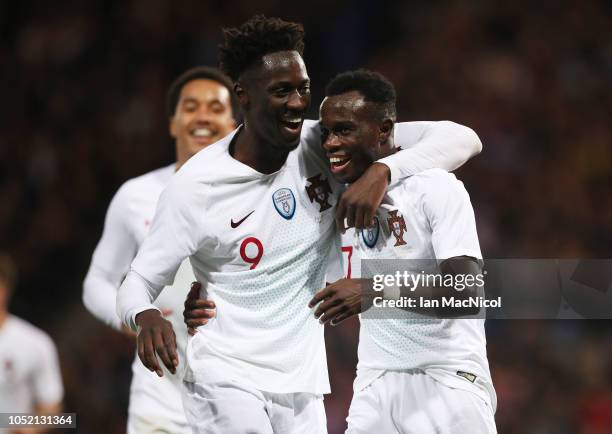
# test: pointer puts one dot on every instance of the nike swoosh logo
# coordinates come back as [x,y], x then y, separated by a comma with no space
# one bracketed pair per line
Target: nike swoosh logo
[239,222]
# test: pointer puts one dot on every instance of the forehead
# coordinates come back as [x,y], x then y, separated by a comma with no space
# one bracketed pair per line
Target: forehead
[281,65]
[344,107]
[205,89]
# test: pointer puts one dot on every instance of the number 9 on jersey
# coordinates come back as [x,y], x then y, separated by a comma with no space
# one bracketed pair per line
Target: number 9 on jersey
[251,251]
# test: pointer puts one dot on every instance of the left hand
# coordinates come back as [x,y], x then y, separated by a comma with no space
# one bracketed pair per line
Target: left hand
[358,204]
[197,310]
[340,300]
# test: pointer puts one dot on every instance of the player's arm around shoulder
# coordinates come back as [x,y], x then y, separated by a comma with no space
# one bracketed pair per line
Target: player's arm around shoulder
[430,144]
[424,145]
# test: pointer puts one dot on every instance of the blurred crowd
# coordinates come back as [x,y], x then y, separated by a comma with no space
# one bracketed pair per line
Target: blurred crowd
[84,97]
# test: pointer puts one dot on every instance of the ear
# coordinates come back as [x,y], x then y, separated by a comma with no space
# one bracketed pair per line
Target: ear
[386,128]
[241,94]
[172,127]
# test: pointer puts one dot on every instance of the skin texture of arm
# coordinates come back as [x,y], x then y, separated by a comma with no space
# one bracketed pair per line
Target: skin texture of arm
[347,297]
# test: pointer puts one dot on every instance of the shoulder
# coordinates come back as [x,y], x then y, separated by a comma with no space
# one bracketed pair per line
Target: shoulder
[434,189]
[311,133]
[207,165]
[151,183]
[433,180]
[310,149]
[30,335]
[311,130]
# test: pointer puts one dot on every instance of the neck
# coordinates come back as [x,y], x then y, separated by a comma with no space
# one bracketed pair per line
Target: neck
[180,160]
[256,152]
[3,316]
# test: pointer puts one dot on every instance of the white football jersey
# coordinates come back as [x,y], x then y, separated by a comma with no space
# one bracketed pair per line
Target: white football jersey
[426,216]
[259,245]
[29,367]
[127,223]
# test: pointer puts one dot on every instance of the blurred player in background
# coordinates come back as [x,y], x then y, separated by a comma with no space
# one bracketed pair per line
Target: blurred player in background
[415,373]
[255,214]
[200,107]
[30,377]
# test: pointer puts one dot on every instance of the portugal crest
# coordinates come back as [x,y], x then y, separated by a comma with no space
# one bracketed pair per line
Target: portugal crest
[397,226]
[319,191]
[284,202]
[370,235]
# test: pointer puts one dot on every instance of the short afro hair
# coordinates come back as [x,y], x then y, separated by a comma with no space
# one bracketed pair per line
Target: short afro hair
[373,86]
[199,73]
[246,45]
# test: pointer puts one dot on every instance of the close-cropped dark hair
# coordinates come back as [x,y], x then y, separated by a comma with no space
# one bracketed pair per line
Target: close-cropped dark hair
[244,46]
[373,86]
[199,73]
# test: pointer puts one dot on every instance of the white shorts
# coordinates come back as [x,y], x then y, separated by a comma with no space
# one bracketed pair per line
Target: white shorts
[413,402]
[226,408]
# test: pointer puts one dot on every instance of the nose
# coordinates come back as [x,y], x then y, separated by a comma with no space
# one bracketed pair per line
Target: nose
[203,114]
[331,143]
[297,101]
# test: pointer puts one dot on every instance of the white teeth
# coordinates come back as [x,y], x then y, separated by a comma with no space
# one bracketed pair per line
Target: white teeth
[336,159]
[202,132]
[293,120]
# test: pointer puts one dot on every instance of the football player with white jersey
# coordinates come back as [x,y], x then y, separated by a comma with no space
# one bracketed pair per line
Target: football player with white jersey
[416,374]
[254,212]
[30,377]
[200,109]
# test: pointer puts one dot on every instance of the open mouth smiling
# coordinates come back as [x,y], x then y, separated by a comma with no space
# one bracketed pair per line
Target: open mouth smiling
[339,162]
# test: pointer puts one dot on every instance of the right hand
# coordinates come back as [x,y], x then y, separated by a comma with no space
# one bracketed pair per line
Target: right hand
[197,310]
[156,336]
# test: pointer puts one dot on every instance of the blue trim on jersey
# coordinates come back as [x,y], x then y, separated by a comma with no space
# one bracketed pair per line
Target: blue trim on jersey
[373,232]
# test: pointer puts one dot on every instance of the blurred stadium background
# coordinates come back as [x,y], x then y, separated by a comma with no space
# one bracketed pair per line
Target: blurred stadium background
[84,86]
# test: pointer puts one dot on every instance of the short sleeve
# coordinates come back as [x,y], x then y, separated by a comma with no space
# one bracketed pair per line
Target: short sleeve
[447,206]
[48,388]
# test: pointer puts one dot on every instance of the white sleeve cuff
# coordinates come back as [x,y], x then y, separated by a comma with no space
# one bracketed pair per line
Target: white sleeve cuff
[135,295]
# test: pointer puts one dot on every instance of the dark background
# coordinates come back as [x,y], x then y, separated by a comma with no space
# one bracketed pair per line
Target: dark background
[83,110]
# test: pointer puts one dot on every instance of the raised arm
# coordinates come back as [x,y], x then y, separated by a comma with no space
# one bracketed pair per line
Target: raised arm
[430,145]
[425,145]
[110,262]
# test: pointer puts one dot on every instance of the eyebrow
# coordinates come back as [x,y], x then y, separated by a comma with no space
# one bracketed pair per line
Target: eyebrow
[288,83]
